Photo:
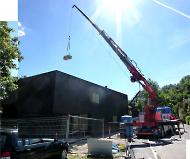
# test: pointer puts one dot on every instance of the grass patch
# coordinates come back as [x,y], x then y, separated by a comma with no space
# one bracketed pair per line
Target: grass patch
[75,156]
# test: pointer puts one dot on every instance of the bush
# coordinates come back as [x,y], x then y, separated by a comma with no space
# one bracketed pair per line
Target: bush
[187,120]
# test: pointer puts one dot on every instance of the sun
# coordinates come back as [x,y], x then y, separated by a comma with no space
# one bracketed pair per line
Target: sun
[117,11]
[117,6]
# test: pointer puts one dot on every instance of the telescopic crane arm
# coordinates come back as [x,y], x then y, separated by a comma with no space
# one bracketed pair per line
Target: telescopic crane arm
[136,75]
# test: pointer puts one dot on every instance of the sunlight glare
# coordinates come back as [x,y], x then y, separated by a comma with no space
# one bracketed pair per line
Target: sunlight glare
[122,12]
[117,6]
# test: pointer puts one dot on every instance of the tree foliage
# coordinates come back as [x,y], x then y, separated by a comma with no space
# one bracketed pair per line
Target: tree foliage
[9,55]
[174,95]
[184,86]
[142,98]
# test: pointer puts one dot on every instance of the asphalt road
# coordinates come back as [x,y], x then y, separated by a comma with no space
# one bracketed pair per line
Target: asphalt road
[168,148]
[142,149]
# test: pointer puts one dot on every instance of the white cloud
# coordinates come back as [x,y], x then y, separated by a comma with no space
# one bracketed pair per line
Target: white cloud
[21,30]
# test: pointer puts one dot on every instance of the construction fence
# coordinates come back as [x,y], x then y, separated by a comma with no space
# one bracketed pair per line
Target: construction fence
[62,127]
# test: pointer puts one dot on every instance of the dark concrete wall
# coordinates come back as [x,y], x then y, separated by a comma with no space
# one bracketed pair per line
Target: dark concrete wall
[75,96]
[56,93]
[33,98]
[36,95]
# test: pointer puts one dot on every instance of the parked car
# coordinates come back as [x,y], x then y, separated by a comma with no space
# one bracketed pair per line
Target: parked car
[12,147]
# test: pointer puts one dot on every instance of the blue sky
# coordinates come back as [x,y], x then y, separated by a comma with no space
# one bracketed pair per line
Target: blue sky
[156,34]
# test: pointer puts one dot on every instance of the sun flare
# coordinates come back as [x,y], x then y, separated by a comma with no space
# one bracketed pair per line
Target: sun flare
[120,11]
[117,6]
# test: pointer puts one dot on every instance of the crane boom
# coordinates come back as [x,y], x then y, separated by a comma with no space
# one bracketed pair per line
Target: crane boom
[153,122]
[136,75]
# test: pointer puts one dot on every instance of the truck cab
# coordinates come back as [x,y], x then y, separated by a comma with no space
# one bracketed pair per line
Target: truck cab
[163,113]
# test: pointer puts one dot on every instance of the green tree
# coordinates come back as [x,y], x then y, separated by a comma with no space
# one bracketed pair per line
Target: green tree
[184,93]
[173,95]
[142,98]
[184,86]
[177,95]
[169,96]
[9,54]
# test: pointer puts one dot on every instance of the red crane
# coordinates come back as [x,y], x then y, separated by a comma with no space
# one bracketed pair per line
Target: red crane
[136,75]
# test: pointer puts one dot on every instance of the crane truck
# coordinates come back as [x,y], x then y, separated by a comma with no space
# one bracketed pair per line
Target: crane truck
[156,119]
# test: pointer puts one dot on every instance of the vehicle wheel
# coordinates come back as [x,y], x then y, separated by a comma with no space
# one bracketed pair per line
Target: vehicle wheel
[64,154]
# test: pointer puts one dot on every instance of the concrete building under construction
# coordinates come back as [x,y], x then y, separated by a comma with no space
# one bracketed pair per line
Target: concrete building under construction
[56,93]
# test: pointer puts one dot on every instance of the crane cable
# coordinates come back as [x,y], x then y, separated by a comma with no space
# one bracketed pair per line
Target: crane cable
[68,46]
[69,32]
[68,56]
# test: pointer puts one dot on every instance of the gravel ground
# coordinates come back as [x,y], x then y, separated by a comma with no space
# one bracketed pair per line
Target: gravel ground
[79,150]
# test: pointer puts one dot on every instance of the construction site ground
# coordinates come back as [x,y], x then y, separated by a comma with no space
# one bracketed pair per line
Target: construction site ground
[167,148]
[79,150]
